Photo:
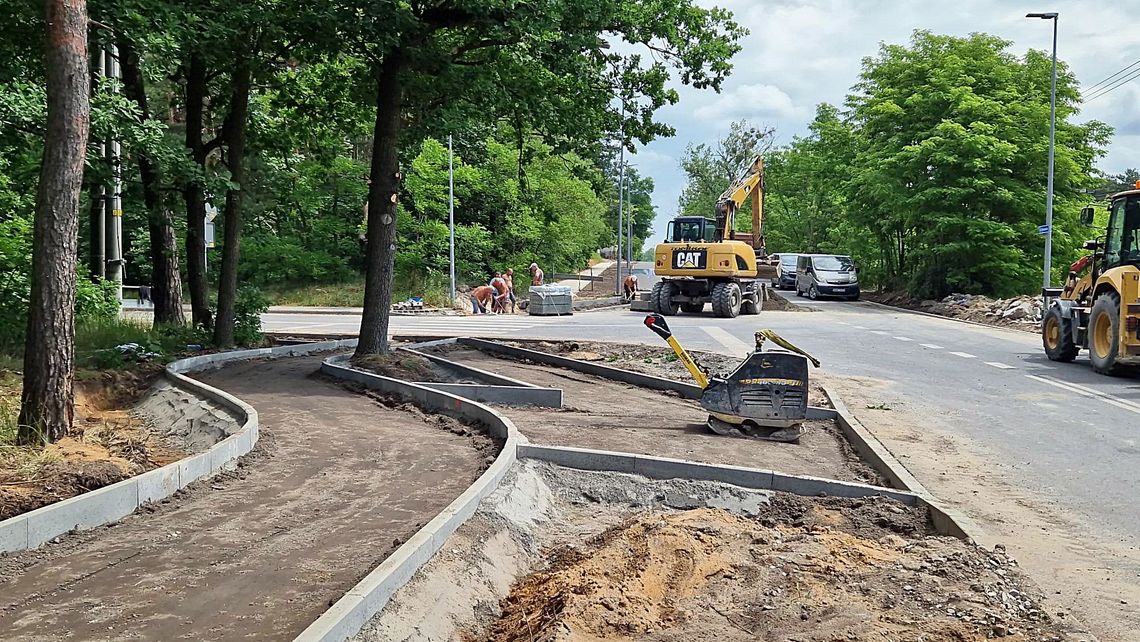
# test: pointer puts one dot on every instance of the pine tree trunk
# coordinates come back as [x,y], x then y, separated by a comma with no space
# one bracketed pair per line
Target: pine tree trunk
[382,195]
[165,277]
[47,405]
[234,132]
[195,195]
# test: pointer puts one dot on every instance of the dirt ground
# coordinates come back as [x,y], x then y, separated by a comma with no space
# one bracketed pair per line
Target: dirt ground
[1100,585]
[336,483]
[561,555]
[607,415]
[107,444]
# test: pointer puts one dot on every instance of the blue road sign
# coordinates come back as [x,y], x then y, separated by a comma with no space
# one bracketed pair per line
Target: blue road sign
[1042,229]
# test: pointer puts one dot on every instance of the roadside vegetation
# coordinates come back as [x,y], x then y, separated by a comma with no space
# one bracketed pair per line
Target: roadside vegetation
[932,174]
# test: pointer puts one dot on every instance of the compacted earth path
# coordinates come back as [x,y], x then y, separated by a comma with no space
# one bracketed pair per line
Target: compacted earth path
[336,483]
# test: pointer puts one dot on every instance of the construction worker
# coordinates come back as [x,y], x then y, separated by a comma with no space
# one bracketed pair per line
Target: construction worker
[499,284]
[535,274]
[509,277]
[482,298]
[629,286]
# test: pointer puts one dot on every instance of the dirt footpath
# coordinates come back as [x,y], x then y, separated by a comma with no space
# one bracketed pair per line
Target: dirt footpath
[607,415]
[335,484]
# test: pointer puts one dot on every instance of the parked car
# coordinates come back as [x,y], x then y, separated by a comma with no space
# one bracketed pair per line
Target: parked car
[786,271]
[827,275]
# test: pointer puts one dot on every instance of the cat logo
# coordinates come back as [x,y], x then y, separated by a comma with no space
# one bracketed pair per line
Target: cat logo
[689,259]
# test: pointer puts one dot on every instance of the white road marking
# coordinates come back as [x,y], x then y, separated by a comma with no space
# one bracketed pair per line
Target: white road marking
[722,336]
[1000,366]
[1123,404]
[904,339]
[879,332]
[842,323]
[859,327]
[964,355]
[931,346]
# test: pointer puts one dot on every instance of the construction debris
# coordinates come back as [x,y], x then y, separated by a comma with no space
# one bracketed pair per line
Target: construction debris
[1020,312]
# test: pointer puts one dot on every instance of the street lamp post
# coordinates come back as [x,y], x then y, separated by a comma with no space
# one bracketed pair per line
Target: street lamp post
[1047,279]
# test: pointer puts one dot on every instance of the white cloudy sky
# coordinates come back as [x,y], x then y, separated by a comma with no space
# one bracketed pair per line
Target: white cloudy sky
[803,52]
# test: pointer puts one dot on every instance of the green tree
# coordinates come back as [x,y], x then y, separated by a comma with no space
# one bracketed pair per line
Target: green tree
[545,67]
[949,172]
[710,169]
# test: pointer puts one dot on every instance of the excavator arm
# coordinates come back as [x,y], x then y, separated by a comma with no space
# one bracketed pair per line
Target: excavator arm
[751,185]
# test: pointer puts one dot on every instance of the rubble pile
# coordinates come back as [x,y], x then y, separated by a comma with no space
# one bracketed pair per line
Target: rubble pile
[1020,311]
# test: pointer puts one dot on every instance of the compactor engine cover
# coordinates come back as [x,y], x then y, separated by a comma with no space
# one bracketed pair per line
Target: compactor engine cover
[768,389]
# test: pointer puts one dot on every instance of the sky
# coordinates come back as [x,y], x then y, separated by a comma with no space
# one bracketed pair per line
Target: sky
[804,52]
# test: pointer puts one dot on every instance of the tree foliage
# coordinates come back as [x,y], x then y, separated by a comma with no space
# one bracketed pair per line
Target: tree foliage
[933,175]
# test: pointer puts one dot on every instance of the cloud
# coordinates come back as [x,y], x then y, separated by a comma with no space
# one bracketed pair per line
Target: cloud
[756,103]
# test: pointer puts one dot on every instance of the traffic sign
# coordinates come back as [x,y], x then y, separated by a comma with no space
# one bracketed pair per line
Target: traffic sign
[1042,229]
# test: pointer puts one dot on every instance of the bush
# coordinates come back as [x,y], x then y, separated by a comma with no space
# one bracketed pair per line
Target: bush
[93,299]
[249,305]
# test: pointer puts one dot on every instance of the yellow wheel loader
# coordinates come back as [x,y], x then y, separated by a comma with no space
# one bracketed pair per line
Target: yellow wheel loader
[706,261]
[1099,306]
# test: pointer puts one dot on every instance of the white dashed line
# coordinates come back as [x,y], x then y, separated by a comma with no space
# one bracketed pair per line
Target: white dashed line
[859,327]
[842,323]
[722,336]
[1000,366]
[964,355]
[878,332]
[931,346]
[904,338]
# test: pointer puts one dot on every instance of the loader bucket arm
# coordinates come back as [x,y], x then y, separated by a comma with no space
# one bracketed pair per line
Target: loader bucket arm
[656,323]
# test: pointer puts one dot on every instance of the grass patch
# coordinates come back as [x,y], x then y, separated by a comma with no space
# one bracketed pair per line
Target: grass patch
[350,294]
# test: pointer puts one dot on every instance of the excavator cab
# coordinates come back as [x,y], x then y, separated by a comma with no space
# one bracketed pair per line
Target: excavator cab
[690,229]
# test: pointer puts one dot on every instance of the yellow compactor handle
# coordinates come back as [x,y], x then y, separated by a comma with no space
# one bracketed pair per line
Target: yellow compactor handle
[761,335]
[656,322]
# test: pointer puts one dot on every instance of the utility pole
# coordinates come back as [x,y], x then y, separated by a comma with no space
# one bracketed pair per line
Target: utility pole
[451,211]
[97,261]
[621,186]
[114,203]
[1047,279]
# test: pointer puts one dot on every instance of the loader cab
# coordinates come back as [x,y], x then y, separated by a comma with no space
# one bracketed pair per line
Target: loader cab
[690,229]
[1122,241]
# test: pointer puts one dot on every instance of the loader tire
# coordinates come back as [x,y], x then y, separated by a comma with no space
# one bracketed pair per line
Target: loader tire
[750,306]
[693,308]
[1104,334]
[662,297]
[1057,336]
[726,300]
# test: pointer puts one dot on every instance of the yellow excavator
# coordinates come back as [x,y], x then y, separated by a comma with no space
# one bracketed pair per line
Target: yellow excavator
[1099,306]
[707,261]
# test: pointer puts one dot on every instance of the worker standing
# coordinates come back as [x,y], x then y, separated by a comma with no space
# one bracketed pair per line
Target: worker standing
[499,284]
[535,275]
[509,277]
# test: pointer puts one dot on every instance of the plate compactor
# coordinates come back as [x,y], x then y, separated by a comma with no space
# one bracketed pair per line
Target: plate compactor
[766,397]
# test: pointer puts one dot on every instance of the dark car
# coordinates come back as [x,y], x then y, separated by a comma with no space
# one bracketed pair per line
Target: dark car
[786,271]
[827,275]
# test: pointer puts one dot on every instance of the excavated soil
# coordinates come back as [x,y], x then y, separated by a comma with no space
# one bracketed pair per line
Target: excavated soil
[336,483]
[563,555]
[114,437]
[607,415]
[400,365]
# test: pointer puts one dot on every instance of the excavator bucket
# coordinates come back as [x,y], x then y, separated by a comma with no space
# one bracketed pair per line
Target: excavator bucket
[766,397]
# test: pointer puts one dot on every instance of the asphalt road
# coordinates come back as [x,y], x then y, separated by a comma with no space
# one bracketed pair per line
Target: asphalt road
[1072,432]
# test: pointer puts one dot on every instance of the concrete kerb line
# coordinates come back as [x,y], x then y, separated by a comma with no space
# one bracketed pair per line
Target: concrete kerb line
[865,444]
[882,460]
[112,503]
[491,387]
[351,612]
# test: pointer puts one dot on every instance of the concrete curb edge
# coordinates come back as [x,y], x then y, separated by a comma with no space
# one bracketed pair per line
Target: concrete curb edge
[868,446]
[354,609]
[112,503]
[895,308]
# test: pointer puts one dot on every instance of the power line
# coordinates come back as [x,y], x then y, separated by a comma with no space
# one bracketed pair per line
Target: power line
[1092,89]
[1116,85]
